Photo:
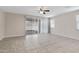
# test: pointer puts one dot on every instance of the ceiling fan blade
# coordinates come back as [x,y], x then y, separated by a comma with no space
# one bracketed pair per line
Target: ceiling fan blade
[41,9]
[47,10]
[44,13]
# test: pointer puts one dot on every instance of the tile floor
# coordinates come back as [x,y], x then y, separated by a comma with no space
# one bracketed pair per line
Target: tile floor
[41,43]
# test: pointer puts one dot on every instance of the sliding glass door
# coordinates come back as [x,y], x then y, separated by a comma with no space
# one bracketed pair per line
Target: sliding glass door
[44,23]
[31,26]
[37,26]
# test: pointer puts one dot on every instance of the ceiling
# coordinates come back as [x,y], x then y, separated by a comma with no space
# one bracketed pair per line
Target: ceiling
[34,10]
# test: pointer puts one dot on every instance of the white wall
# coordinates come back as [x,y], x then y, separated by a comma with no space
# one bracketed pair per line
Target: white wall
[14,25]
[2,25]
[65,25]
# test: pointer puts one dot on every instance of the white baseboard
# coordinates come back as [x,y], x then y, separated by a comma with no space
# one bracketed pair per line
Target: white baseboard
[13,36]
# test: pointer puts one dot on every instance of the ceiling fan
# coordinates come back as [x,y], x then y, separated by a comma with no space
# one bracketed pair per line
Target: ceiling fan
[43,10]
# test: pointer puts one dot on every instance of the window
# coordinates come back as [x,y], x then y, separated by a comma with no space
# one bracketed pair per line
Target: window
[52,23]
[77,22]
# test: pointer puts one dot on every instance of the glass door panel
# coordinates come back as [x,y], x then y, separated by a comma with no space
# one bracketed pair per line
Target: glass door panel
[44,26]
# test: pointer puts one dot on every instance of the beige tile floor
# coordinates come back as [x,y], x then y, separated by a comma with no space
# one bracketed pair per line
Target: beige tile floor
[43,43]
